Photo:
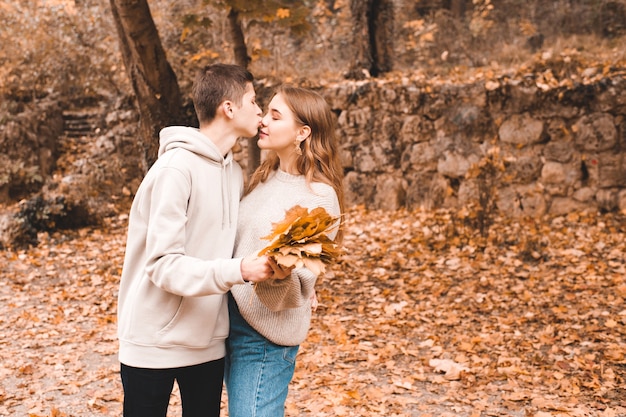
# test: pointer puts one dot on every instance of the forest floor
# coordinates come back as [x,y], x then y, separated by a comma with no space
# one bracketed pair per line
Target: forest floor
[422,316]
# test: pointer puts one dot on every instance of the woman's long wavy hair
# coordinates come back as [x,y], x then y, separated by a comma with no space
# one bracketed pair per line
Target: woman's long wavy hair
[320,160]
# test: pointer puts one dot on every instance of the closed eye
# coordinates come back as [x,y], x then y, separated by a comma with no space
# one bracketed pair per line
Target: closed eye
[275,114]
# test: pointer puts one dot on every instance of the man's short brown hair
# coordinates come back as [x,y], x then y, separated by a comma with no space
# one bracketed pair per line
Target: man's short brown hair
[216,83]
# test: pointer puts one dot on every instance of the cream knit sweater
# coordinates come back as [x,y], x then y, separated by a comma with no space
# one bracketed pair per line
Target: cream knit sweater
[280,310]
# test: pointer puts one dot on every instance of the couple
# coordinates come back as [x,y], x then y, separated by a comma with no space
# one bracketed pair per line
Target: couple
[191,255]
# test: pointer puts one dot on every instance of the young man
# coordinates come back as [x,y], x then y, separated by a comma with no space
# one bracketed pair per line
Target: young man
[172,308]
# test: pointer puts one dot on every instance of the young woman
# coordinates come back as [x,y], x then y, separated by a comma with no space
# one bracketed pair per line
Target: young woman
[270,320]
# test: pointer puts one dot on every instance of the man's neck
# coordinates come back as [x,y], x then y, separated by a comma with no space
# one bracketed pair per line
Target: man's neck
[221,136]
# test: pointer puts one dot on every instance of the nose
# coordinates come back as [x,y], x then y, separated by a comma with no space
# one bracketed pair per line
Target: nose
[264,120]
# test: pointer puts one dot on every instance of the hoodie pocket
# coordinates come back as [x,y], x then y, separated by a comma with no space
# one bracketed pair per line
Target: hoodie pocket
[197,323]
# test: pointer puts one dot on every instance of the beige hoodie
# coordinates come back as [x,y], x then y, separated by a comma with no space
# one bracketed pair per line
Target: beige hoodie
[172,310]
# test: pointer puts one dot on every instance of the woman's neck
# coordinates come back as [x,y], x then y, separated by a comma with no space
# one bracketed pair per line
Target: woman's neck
[288,164]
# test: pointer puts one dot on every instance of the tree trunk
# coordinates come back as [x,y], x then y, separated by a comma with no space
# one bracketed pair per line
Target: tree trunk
[373,38]
[362,55]
[153,80]
[242,59]
[381,36]
[236,32]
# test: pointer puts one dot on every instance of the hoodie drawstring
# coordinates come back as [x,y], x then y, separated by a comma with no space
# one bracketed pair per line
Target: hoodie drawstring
[226,194]
[192,140]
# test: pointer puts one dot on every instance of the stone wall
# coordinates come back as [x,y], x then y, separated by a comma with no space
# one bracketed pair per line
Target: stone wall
[408,144]
[411,143]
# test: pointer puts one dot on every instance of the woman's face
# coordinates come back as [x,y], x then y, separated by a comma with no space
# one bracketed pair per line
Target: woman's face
[278,128]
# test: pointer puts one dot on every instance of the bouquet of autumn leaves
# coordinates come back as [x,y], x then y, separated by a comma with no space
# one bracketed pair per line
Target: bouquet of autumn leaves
[300,240]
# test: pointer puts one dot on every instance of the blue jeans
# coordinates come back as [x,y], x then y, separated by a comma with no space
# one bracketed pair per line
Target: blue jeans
[147,391]
[258,372]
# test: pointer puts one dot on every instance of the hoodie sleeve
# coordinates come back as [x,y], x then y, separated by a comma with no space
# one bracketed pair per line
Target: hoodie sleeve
[167,264]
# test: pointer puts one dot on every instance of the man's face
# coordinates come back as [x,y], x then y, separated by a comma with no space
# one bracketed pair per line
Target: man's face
[248,115]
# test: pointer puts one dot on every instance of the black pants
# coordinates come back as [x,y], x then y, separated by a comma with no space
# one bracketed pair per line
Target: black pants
[147,391]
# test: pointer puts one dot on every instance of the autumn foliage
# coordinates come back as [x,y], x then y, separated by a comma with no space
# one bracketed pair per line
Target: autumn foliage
[300,240]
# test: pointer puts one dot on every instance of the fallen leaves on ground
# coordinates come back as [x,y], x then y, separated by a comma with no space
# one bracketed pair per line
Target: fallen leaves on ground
[420,317]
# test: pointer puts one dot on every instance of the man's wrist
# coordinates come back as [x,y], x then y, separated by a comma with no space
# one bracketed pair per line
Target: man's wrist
[241,271]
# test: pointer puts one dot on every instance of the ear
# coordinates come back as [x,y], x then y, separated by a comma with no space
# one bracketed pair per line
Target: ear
[303,133]
[227,109]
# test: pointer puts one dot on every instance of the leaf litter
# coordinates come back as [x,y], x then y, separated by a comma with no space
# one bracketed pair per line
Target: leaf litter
[420,316]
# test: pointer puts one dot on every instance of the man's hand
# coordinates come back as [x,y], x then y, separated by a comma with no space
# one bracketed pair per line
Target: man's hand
[280,272]
[256,268]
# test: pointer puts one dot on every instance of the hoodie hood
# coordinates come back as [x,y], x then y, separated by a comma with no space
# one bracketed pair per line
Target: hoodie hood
[190,139]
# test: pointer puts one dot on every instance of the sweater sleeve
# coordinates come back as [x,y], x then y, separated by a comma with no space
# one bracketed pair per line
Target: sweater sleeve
[292,292]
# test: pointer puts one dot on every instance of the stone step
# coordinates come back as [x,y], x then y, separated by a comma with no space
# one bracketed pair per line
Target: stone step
[79,123]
